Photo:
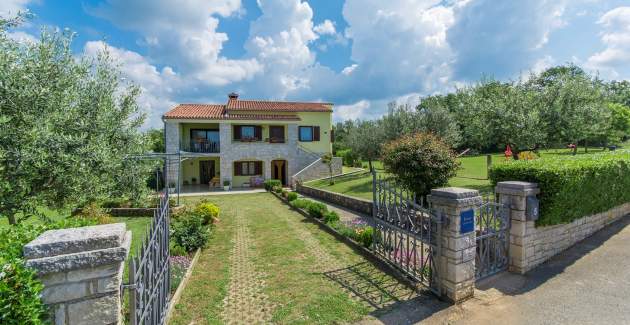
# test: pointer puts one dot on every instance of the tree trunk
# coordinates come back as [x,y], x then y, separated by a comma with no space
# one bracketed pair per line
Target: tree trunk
[585,146]
[370,164]
[11,218]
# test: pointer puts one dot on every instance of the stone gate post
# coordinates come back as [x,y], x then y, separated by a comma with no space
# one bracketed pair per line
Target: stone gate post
[513,195]
[457,257]
[82,270]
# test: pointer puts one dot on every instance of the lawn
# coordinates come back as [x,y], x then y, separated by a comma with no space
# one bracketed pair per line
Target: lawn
[266,263]
[473,174]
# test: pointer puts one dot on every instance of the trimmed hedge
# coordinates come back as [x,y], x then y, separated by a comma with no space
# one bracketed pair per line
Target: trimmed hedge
[271,183]
[572,187]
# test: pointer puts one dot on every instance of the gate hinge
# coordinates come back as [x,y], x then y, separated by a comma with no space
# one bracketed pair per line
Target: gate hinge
[129,286]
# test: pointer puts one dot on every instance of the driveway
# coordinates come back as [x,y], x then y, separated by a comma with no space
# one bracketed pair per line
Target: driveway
[587,284]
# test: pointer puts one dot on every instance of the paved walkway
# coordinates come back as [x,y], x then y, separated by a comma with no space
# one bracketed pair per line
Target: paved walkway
[587,284]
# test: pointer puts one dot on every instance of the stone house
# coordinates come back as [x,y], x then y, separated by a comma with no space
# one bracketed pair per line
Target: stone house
[247,141]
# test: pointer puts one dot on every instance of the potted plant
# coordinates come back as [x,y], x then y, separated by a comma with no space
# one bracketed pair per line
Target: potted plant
[226,185]
[194,180]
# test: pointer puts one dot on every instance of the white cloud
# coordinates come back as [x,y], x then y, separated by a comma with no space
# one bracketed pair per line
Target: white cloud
[12,7]
[613,61]
[157,86]
[350,112]
[325,28]
[184,36]
[21,36]
[542,64]
[348,70]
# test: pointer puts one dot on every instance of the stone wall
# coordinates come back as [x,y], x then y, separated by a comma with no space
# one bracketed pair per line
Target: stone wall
[530,246]
[81,269]
[355,204]
[317,169]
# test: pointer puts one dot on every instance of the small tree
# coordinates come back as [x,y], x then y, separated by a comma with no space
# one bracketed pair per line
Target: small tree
[364,140]
[328,160]
[420,161]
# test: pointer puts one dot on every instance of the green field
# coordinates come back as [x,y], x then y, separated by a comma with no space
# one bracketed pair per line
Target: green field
[473,174]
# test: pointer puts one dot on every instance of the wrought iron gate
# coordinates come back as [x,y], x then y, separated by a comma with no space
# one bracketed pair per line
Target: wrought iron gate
[493,238]
[405,233]
[149,272]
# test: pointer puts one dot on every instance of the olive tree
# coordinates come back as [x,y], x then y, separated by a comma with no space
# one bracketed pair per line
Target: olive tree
[67,123]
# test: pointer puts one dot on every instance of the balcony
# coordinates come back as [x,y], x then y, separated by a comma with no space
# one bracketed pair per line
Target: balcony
[201,146]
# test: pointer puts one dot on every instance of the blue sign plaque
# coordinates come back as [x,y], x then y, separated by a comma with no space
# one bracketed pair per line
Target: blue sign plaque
[466,221]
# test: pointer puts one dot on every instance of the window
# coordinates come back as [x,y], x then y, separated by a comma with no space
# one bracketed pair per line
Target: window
[276,134]
[247,132]
[248,168]
[309,133]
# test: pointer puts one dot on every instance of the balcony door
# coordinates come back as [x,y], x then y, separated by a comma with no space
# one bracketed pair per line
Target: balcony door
[206,171]
[204,140]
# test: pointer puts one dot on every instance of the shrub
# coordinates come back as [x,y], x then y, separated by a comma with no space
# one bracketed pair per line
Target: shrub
[94,213]
[271,183]
[316,209]
[572,187]
[348,157]
[208,211]
[331,217]
[277,189]
[190,232]
[176,250]
[421,161]
[300,203]
[292,196]
[365,236]
[20,290]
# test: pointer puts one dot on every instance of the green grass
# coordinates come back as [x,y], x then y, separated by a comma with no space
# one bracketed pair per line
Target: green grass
[300,294]
[472,174]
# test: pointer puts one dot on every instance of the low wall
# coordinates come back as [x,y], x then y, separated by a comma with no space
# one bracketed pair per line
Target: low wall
[317,170]
[355,204]
[530,246]
[131,212]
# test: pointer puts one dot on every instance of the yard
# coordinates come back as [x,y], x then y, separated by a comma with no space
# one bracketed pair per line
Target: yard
[472,174]
[268,264]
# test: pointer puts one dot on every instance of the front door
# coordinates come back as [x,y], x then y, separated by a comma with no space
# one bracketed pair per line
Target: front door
[206,171]
[279,170]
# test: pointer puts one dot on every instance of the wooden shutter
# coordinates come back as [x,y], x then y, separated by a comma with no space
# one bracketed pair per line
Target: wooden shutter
[237,132]
[258,132]
[258,168]
[238,167]
[316,133]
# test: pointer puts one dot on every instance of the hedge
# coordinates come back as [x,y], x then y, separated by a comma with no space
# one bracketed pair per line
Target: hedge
[572,187]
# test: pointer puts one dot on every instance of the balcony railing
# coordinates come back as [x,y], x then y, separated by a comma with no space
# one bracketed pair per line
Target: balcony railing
[203,146]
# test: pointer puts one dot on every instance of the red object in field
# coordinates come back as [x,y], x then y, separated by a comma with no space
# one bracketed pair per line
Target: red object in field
[508,152]
[571,146]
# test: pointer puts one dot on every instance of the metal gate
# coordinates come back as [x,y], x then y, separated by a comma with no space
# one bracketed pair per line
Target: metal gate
[149,272]
[493,238]
[405,233]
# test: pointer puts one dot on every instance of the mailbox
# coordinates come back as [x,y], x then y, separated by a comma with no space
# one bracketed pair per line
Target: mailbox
[532,208]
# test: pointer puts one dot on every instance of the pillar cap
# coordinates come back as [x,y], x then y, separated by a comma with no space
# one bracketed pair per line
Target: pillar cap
[454,193]
[517,188]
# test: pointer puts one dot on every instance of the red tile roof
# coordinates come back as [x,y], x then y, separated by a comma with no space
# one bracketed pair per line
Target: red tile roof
[230,111]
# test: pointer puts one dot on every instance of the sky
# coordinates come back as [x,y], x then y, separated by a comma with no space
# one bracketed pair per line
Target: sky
[358,54]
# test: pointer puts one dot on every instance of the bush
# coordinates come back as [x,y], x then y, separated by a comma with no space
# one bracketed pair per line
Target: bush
[365,236]
[349,158]
[572,187]
[20,290]
[292,196]
[300,203]
[95,214]
[331,217]
[271,183]
[190,232]
[316,210]
[277,189]
[176,250]
[208,211]
[421,161]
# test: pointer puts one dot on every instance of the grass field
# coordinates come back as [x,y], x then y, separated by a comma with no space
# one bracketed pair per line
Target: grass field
[473,174]
[266,263]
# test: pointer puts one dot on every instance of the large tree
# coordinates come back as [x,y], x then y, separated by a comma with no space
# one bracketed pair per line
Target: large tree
[67,123]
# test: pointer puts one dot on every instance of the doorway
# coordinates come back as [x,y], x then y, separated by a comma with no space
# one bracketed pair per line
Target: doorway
[279,170]
[206,171]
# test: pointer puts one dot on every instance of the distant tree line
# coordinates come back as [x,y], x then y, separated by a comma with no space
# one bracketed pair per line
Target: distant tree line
[559,106]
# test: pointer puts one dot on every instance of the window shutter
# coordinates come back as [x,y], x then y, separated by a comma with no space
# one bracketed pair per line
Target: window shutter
[332,136]
[258,167]
[237,132]
[237,169]
[258,132]
[316,133]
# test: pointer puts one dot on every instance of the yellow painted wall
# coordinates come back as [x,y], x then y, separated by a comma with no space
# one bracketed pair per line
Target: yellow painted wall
[190,168]
[324,121]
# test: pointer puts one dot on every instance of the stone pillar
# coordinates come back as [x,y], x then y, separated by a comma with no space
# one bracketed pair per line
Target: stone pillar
[457,260]
[171,143]
[82,270]
[225,136]
[514,195]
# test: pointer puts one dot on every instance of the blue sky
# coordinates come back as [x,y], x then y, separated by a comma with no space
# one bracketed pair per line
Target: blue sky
[358,54]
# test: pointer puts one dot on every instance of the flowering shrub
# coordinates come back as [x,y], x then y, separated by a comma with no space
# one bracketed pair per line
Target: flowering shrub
[179,266]
[208,211]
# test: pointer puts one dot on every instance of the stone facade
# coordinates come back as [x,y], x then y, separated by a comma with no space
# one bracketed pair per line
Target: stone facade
[530,246]
[456,262]
[81,269]
[355,204]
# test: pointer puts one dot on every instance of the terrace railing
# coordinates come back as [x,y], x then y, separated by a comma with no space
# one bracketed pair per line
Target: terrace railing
[201,146]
